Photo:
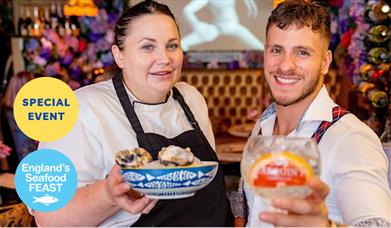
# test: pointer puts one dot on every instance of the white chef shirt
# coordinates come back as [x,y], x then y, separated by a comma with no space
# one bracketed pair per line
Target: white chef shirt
[102,129]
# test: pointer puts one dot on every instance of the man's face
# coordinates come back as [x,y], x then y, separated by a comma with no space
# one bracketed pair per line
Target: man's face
[295,62]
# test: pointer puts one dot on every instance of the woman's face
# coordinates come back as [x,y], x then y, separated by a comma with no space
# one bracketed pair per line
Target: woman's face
[151,60]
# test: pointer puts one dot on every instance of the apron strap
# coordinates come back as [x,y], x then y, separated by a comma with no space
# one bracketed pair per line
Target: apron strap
[127,105]
[338,113]
[189,115]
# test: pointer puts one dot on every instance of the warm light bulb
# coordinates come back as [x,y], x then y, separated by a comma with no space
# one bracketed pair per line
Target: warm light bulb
[385,8]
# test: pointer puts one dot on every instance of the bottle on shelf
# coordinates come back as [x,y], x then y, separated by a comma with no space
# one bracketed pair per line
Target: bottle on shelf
[75,26]
[22,29]
[377,76]
[365,86]
[61,20]
[378,11]
[37,24]
[364,69]
[45,18]
[379,33]
[28,21]
[67,26]
[375,96]
[378,55]
[53,16]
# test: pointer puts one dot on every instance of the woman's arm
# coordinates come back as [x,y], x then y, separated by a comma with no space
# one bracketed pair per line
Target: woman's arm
[95,203]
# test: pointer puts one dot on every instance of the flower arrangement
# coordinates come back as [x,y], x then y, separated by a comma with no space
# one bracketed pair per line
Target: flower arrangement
[73,54]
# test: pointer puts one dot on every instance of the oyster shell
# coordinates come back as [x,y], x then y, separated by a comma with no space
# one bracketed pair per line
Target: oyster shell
[175,155]
[133,158]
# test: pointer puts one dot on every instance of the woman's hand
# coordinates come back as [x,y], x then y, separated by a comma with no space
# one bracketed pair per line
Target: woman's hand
[311,211]
[4,150]
[124,196]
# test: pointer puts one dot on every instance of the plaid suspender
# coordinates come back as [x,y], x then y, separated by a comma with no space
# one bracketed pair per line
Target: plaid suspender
[338,112]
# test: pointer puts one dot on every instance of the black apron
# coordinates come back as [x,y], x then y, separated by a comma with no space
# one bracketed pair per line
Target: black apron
[210,205]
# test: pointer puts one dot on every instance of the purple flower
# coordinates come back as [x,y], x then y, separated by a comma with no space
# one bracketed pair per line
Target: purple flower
[112,18]
[52,36]
[52,69]
[107,59]
[46,53]
[109,37]
[39,60]
[32,44]
[72,42]
[91,52]
[75,73]
[66,59]
[95,36]
[74,84]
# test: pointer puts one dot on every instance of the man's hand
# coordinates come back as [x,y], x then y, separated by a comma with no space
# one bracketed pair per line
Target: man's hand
[311,211]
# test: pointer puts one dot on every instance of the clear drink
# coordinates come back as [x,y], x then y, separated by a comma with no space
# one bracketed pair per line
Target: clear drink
[280,166]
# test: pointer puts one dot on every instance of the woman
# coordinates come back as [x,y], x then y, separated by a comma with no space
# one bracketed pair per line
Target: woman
[142,106]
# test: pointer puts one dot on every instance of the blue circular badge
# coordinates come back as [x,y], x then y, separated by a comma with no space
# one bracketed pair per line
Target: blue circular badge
[45,180]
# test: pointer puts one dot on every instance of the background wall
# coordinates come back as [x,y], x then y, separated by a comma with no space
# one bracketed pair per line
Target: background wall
[257,25]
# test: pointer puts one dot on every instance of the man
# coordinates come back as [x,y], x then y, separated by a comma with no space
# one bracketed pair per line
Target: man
[354,165]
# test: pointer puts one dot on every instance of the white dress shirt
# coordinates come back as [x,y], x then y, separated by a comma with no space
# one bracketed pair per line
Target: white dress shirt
[353,165]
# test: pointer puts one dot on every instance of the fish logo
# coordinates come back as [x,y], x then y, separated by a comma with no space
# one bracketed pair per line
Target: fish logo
[46,199]
[150,177]
[187,184]
[133,176]
[201,174]
[177,176]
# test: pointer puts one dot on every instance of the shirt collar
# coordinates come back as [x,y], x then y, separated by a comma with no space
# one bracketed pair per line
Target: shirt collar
[139,104]
[320,109]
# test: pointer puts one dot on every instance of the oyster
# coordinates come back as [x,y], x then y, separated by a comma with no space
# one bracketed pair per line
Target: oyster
[133,158]
[175,155]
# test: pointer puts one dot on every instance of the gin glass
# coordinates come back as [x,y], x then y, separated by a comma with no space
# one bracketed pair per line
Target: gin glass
[275,166]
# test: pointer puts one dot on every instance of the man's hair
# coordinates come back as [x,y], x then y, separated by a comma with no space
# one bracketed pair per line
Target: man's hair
[301,13]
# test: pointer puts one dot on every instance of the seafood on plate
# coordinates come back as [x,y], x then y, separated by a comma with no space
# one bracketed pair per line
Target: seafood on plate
[133,158]
[170,156]
[176,156]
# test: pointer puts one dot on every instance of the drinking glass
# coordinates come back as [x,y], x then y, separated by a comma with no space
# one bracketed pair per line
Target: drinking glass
[280,166]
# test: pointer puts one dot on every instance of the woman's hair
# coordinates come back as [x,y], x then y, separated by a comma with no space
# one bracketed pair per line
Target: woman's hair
[15,84]
[301,13]
[146,7]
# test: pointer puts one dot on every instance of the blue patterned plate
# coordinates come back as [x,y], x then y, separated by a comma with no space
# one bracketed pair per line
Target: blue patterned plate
[171,182]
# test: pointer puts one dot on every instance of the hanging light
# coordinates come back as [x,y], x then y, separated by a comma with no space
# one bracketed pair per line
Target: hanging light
[81,8]
[277,2]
